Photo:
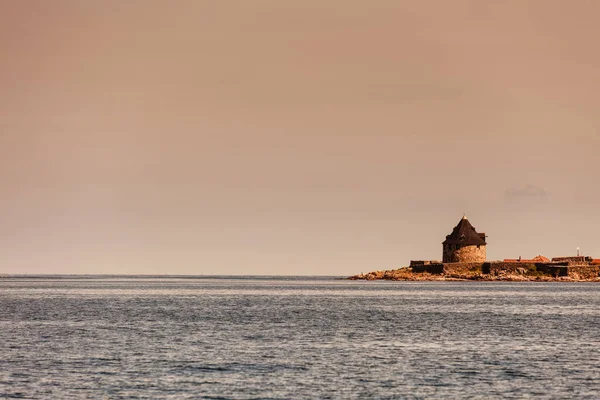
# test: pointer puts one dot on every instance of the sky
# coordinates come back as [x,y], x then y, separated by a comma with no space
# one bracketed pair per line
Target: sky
[314,137]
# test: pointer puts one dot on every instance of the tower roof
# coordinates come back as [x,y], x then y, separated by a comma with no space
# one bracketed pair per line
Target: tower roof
[465,234]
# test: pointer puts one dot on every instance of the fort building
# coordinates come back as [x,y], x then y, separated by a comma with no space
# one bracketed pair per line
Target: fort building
[464,255]
[464,244]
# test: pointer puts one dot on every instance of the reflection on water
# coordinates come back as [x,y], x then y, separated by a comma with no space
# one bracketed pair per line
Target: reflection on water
[173,337]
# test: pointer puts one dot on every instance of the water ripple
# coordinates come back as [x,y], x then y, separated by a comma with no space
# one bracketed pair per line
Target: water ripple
[273,339]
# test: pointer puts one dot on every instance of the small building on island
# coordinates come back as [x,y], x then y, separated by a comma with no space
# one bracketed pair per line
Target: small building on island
[464,244]
[464,254]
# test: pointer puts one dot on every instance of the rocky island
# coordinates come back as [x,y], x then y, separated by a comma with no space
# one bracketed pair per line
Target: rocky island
[464,258]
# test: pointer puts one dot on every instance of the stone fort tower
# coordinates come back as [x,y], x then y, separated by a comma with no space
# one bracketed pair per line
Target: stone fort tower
[464,244]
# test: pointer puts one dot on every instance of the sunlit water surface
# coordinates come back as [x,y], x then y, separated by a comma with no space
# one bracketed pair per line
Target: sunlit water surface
[243,338]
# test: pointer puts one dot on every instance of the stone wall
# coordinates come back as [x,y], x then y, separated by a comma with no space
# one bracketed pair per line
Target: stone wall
[579,260]
[414,263]
[526,268]
[463,268]
[464,254]
[446,268]
[500,268]
[431,268]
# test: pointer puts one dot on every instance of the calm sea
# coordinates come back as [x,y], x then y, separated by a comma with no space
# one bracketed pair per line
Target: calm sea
[293,338]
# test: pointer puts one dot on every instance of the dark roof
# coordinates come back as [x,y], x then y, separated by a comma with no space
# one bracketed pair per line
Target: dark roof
[465,234]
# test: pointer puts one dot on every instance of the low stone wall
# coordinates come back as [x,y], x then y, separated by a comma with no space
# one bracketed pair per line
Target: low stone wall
[579,260]
[556,270]
[430,268]
[463,268]
[433,267]
[526,268]
[502,268]
[414,263]
[495,268]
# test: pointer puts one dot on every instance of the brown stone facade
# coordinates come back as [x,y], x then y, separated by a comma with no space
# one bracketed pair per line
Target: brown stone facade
[453,254]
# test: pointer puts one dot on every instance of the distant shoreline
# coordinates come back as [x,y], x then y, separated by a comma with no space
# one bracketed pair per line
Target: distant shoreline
[407,274]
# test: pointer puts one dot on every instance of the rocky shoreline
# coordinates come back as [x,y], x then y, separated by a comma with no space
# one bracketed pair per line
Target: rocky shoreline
[406,274]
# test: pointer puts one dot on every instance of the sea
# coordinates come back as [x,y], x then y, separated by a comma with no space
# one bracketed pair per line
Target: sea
[185,337]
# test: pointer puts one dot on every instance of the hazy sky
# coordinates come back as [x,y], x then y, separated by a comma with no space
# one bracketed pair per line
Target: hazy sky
[293,137]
